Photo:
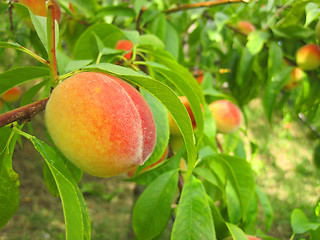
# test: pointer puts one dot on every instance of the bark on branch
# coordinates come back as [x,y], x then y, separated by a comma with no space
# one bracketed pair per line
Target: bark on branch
[203,4]
[23,114]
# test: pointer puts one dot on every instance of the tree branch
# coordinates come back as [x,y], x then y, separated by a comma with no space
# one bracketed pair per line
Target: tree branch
[203,4]
[23,114]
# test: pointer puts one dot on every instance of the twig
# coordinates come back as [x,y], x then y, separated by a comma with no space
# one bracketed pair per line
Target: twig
[23,114]
[219,145]
[142,10]
[10,16]
[203,4]
[51,34]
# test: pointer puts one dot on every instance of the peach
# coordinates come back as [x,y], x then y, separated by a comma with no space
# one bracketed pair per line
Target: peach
[164,156]
[308,57]
[174,129]
[38,7]
[199,74]
[101,124]
[227,115]
[125,45]
[12,94]
[296,77]
[246,27]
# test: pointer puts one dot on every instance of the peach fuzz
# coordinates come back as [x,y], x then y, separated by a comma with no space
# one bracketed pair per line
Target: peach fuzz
[246,27]
[38,7]
[227,115]
[308,57]
[12,94]
[174,129]
[101,124]
[296,77]
[164,156]
[125,45]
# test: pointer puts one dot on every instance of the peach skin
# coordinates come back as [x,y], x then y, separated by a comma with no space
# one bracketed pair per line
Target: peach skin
[227,115]
[308,57]
[125,45]
[12,94]
[101,124]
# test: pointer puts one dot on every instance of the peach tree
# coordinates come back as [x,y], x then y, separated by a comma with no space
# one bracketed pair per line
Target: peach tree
[175,78]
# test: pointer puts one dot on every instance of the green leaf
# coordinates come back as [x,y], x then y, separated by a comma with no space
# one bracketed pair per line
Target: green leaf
[39,23]
[239,173]
[76,214]
[275,59]
[194,219]
[119,10]
[300,223]
[219,223]
[152,210]
[292,32]
[147,177]
[312,12]
[86,46]
[17,76]
[31,93]
[245,66]
[87,6]
[272,90]
[236,232]
[256,40]
[266,207]
[9,184]
[187,90]
[164,94]
[160,115]
[149,39]
[172,40]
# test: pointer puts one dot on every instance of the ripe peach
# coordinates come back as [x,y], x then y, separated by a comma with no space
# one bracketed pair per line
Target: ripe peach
[12,94]
[174,129]
[199,74]
[296,77]
[125,45]
[246,27]
[38,7]
[308,57]
[227,116]
[100,123]
[164,156]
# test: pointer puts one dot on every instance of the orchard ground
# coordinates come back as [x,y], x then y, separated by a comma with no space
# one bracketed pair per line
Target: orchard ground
[283,167]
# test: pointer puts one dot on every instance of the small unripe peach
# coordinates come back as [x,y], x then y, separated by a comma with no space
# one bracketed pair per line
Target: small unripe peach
[296,77]
[227,116]
[246,27]
[38,7]
[12,94]
[308,57]
[101,124]
[174,129]
[125,45]
[164,156]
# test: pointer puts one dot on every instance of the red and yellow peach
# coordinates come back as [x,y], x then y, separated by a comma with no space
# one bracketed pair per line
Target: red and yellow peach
[101,124]
[246,27]
[296,77]
[38,7]
[12,94]
[308,57]
[227,116]
[174,129]
[164,156]
[125,45]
